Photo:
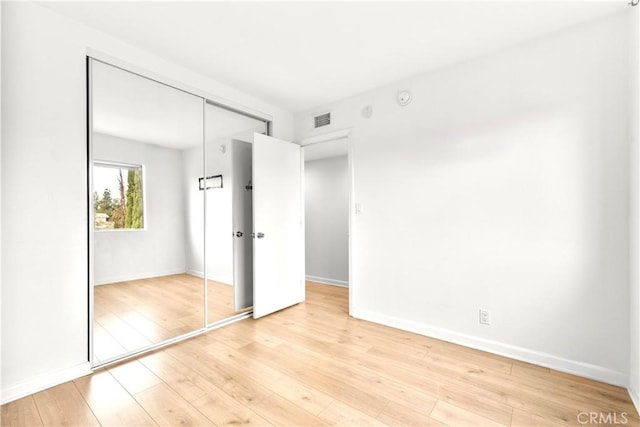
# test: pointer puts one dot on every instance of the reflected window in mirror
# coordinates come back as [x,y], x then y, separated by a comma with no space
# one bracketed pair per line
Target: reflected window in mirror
[118,196]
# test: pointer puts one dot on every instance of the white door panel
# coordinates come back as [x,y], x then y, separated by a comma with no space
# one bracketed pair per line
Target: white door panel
[278,245]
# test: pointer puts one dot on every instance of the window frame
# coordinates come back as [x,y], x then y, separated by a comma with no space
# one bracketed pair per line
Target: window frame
[129,166]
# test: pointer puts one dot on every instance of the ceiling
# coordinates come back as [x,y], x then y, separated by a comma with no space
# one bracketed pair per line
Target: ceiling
[300,55]
[133,107]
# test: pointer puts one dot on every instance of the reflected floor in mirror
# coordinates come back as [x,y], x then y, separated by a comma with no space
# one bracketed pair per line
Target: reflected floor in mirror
[135,314]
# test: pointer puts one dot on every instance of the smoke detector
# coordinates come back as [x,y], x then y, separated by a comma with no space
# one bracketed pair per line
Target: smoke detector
[403,98]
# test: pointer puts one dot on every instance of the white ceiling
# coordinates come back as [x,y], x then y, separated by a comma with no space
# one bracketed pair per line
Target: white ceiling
[132,107]
[300,55]
[129,106]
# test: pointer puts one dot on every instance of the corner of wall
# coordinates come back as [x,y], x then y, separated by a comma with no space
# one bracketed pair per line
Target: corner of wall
[634,208]
[1,322]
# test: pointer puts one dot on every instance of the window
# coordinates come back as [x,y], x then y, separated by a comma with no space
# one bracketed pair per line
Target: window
[118,199]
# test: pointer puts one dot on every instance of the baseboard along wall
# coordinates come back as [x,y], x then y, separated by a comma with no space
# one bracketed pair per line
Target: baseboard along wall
[327,281]
[44,382]
[582,369]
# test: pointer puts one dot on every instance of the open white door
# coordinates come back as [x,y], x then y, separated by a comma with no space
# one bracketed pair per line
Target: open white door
[242,225]
[278,246]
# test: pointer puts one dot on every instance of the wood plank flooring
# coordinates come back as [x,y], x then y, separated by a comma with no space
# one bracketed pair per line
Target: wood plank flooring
[311,364]
[135,314]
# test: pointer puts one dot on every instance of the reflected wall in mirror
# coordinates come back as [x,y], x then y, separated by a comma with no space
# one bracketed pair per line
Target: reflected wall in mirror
[147,156]
[228,137]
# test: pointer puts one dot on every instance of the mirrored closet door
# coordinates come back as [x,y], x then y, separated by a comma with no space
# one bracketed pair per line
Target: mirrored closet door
[171,186]
[148,215]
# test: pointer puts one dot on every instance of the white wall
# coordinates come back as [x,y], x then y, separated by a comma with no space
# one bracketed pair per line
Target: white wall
[219,213]
[0,194]
[159,249]
[504,186]
[194,207]
[634,159]
[326,195]
[44,167]
[219,220]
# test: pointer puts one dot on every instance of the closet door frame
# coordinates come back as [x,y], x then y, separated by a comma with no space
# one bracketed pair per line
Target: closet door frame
[207,98]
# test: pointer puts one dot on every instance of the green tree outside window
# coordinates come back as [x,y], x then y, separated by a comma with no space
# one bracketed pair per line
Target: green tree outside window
[121,205]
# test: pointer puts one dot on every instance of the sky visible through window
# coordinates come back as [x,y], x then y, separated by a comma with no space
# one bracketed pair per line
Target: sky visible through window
[107,177]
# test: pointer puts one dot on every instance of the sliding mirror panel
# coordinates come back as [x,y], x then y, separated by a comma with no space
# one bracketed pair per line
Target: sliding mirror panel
[227,188]
[148,213]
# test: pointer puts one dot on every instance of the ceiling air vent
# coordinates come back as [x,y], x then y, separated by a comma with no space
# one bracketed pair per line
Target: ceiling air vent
[322,120]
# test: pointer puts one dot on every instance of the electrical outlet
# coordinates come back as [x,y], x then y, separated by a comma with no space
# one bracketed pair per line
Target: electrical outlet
[485,317]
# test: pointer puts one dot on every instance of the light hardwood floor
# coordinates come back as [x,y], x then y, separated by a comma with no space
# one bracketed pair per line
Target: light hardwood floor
[135,314]
[311,364]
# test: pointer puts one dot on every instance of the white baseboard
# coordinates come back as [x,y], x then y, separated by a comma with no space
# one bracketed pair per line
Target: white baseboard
[44,382]
[220,279]
[127,277]
[574,367]
[326,281]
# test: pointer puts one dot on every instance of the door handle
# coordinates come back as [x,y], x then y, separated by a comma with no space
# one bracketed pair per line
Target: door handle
[260,235]
[239,234]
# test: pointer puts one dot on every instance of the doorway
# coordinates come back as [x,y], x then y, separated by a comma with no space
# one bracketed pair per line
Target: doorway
[327,201]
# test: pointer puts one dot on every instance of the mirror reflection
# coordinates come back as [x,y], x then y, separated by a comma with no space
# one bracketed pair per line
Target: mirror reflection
[228,137]
[172,195]
[145,136]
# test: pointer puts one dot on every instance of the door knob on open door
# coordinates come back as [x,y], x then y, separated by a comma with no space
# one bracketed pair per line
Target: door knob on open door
[239,234]
[260,235]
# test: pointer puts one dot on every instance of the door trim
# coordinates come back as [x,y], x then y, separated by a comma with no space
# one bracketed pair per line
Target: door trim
[326,137]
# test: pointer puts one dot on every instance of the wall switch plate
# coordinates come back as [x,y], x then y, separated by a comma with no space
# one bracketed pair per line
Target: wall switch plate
[358,208]
[485,317]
